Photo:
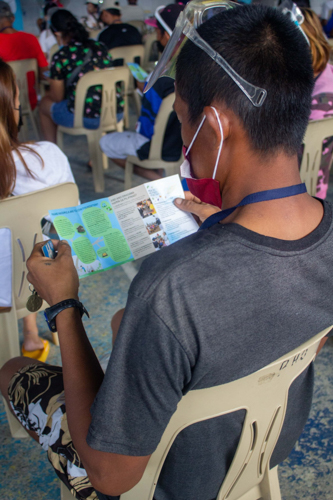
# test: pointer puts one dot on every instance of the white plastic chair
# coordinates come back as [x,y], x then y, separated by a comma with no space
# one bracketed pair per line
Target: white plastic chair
[22,215]
[264,396]
[317,131]
[139,25]
[21,68]
[155,160]
[129,53]
[108,79]
[149,40]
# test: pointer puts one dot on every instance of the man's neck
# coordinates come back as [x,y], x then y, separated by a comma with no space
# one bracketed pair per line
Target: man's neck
[287,218]
[7,29]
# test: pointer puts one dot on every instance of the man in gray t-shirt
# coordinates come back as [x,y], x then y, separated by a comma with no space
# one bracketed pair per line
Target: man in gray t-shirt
[253,283]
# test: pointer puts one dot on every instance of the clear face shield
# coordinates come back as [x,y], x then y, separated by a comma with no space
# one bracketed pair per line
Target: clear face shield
[196,13]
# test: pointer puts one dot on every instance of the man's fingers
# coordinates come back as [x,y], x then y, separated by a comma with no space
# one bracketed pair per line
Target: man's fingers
[62,247]
[191,197]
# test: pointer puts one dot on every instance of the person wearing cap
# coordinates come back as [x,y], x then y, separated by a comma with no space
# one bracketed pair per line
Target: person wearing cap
[116,33]
[254,283]
[132,12]
[91,21]
[119,145]
[16,45]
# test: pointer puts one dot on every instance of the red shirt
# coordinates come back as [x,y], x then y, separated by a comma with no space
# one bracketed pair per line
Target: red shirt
[20,45]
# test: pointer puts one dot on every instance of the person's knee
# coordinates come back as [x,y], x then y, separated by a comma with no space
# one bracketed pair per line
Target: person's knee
[9,369]
[45,105]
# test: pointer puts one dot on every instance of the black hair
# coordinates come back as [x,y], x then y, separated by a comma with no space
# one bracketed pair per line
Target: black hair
[49,6]
[267,50]
[114,12]
[160,27]
[67,24]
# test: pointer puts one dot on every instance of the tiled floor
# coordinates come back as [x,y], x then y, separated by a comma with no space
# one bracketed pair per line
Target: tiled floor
[25,473]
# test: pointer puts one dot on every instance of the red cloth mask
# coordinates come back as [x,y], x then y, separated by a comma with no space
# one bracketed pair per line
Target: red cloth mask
[207,189]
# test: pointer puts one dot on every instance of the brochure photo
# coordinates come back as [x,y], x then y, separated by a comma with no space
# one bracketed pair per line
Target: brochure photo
[111,231]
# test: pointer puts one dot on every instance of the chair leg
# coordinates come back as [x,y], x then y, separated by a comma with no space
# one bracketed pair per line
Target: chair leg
[16,429]
[55,338]
[65,494]
[270,485]
[60,139]
[128,174]
[96,162]
[105,160]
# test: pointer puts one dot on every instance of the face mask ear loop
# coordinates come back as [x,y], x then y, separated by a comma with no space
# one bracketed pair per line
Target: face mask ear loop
[221,143]
[196,134]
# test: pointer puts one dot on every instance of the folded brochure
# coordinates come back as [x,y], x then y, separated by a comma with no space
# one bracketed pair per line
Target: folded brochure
[111,231]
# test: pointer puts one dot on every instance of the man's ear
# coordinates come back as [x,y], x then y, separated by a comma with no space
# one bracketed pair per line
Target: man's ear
[215,120]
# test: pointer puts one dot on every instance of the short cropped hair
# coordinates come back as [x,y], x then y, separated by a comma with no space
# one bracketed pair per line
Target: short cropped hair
[267,50]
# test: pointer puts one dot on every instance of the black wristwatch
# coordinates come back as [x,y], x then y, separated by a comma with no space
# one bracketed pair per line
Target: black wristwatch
[51,312]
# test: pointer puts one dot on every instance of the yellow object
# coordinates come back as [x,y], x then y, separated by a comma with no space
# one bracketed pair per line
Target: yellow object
[39,354]
[154,159]
[264,396]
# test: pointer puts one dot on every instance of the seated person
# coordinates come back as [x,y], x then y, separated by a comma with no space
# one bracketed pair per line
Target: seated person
[211,308]
[16,45]
[91,21]
[132,12]
[25,168]
[119,145]
[78,55]
[47,38]
[322,95]
[117,33]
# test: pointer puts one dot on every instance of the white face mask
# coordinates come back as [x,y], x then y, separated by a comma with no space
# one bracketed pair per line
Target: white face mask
[185,168]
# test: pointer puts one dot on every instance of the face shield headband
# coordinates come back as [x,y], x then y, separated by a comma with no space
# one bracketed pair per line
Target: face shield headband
[195,14]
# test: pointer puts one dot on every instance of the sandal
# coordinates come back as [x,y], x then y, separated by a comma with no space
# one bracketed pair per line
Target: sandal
[39,354]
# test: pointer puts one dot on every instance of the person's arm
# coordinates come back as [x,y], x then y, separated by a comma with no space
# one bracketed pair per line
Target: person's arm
[57,90]
[110,473]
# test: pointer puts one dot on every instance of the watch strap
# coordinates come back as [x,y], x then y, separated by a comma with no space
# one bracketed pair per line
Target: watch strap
[51,313]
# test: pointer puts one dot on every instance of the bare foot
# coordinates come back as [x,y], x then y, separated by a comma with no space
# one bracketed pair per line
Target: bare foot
[32,341]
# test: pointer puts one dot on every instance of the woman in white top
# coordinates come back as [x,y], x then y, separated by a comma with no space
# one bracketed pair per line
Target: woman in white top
[25,168]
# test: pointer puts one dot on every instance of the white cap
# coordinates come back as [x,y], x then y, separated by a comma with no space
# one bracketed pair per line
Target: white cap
[110,4]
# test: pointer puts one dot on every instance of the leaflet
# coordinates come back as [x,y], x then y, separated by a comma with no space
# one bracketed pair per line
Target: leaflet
[111,231]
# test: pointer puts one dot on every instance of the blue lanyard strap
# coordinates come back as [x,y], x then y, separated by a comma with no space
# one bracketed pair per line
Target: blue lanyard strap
[270,194]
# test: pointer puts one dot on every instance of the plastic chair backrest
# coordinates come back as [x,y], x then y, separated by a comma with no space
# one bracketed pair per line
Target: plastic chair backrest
[21,68]
[107,78]
[316,132]
[53,50]
[155,152]
[94,33]
[149,40]
[22,215]
[128,53]
[139,25]
[264,396]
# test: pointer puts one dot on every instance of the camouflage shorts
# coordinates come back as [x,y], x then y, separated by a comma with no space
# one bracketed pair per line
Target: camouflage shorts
[36,393]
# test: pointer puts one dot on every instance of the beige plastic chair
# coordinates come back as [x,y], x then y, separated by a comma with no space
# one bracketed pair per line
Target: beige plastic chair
[53,50]
[317,131]
[94,33]
[264,396]
[21,68]
[108,78]
[22,215]
[155,153]
[139,25]
[128,54]
[149,40]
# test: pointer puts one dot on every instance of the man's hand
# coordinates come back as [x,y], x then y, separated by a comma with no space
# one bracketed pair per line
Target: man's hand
[53,279]
[199,209]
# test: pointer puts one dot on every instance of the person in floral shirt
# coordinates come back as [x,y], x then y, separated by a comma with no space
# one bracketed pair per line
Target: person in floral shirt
[77,51]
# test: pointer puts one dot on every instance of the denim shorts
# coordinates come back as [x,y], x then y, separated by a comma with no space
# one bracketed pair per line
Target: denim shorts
[62,116]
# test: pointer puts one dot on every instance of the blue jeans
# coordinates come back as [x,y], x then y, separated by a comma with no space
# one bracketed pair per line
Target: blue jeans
[62,116]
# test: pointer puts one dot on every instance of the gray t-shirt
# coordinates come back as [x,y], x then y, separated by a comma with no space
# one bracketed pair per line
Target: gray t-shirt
[211,308]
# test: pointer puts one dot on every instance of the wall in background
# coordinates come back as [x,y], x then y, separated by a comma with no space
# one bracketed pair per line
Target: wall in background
[31,10]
